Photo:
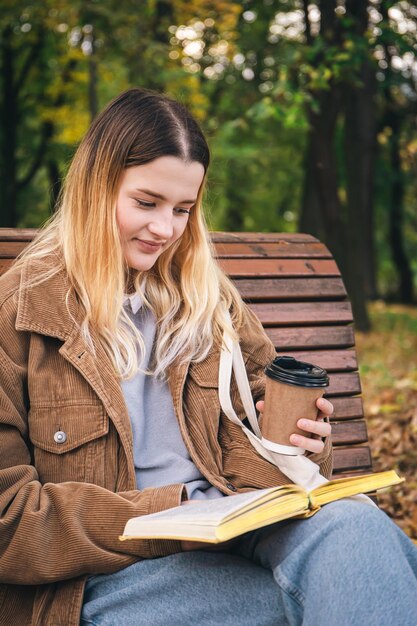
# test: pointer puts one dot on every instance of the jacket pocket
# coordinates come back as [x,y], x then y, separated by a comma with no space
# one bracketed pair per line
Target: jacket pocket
[201,406]
[68,442]
[204,375]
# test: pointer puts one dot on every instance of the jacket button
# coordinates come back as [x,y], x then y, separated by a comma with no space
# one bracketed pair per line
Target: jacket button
[231,487]
[60,436]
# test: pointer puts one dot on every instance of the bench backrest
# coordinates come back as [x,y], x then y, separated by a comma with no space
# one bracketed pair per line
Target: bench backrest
[293,285]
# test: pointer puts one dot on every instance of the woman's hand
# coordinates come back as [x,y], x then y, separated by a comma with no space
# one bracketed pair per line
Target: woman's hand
[318,428]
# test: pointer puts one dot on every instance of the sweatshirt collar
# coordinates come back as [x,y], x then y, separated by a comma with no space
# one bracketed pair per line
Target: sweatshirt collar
[134,300]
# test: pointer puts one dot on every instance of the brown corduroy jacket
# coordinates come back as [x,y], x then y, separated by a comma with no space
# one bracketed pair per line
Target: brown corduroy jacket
[67,477]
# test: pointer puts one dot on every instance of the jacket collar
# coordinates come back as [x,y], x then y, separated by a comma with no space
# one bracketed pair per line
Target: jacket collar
[47,308]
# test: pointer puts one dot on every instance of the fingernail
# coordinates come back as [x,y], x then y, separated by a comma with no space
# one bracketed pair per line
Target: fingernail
[295,439]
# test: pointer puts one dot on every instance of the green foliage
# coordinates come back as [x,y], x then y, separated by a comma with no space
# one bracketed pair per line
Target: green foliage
[268,157]
[249,71]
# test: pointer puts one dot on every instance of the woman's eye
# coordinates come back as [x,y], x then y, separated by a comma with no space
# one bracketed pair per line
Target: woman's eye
[181,210]
[145,205]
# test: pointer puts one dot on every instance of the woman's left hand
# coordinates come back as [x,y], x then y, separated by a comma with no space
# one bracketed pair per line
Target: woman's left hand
[319,428]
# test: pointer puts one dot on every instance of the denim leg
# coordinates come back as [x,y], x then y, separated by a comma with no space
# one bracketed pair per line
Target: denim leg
[348,565]
[186,589]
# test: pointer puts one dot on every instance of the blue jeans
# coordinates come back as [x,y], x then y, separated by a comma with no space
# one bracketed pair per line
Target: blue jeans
[348,565]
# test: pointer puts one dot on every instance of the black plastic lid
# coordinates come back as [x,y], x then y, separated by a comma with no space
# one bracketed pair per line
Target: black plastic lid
[286,369]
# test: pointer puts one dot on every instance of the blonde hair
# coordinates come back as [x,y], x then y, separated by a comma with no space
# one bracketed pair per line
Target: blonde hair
[135,128]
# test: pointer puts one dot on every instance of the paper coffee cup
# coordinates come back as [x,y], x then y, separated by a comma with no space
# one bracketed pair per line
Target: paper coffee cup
[291,391]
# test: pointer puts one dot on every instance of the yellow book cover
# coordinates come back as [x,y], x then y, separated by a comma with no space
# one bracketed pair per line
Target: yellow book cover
[214,521]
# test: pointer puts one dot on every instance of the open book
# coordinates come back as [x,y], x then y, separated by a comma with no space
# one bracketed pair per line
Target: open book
[221,519]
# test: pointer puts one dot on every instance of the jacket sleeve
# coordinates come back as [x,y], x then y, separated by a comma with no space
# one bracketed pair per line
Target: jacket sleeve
[258,350]
[56,531]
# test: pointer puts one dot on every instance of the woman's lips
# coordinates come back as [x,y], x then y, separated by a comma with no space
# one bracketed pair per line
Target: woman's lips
[148,246]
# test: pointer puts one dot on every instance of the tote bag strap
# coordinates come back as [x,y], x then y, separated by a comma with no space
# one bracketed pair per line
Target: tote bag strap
[231,358]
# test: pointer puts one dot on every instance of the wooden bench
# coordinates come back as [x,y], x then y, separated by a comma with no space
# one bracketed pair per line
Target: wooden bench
[294,286]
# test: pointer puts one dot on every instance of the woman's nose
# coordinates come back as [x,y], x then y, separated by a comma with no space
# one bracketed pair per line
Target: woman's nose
[162,225]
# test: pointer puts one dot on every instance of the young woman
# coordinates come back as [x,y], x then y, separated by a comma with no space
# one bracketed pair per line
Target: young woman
[111,326]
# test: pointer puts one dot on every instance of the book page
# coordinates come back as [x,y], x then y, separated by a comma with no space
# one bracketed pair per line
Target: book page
[344,487]
[201,512]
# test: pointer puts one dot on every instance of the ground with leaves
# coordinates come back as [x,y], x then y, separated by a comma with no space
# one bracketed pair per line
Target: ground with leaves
[388,366]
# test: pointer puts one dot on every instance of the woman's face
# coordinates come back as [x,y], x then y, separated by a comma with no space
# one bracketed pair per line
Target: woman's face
[153,205]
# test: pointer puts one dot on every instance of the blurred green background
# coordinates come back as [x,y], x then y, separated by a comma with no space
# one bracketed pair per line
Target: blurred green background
[309,109]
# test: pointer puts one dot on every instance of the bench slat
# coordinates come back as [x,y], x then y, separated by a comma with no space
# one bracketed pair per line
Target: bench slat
[314,337]
[17,234]
[284,267]
[346,433]
[294,313]
[347,408]
[332,361]
[352,458]
[4,265]
[296,289]
[222,237]
[276,250]
[10,249]
[343,385]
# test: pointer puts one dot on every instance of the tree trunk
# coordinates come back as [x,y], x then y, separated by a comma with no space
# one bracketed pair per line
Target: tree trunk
[235,202]
[359,143]
[360,152]
[396,214]
[394,116]
[311,218]
[321,179]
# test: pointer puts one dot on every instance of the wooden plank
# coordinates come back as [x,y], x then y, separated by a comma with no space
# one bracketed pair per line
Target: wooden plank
[296,289]
[352,458]
[247,268]
[284,313]
[4,265]
[27,234]
[222,237]
[271,250]
[331,360]
[311,337]
[10,249]
[346,408]
[349,433]
[17,234]
[343,385]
